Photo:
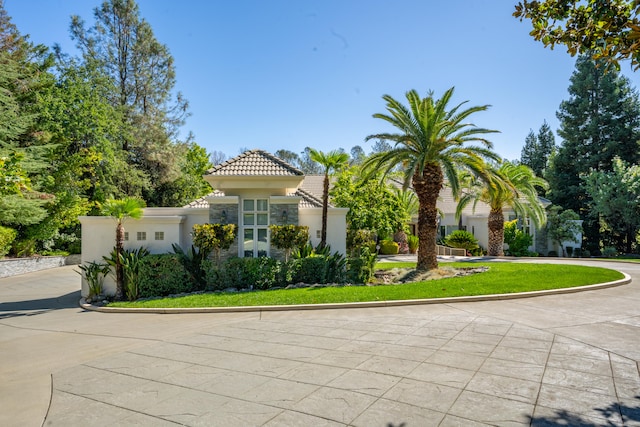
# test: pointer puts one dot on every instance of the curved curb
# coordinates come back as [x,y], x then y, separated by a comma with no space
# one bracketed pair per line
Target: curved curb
[260,308]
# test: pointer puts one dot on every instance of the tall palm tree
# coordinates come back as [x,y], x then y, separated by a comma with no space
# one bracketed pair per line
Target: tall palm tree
[508,185]
[331,162]
[129,207]
[431,144]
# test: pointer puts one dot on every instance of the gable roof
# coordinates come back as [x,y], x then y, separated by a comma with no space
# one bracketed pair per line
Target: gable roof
[201,202]
[309,200]
[255,163]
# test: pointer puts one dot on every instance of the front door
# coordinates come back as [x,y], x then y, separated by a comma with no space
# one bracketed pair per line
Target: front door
[255,223]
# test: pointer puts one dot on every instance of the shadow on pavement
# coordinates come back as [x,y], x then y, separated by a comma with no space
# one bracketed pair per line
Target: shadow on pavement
[610,417]
[38,306]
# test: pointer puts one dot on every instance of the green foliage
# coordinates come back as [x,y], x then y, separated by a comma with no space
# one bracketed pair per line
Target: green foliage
[432,141]
[289,237]
[563,226]
[599,121]
[360,269]
[210,237]
[518,241]
[321,269]
[609,252]
[193,262]
[161,275]
[499,279]
[603,29]
[413,242]
[94,273]
[359,239]
[129,261]
[461,239]
[616,199]
[249,273]
[388,247]
[373,205]
[7,236]
[120,39]
[331,162]
[537,150]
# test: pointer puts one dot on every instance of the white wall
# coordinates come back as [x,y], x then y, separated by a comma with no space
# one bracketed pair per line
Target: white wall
[99,238]
[336,226]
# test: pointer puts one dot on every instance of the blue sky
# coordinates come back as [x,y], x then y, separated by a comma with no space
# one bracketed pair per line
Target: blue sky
[290,74]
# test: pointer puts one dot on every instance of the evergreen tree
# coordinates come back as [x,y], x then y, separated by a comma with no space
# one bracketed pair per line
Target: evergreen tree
[600,120]
[123,46]
[616,199]
[538,149]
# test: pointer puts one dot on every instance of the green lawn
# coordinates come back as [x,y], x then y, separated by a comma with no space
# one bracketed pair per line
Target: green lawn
[501,278]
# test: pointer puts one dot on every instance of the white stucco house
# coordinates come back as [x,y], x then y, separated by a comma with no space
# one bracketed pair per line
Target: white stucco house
[253,190]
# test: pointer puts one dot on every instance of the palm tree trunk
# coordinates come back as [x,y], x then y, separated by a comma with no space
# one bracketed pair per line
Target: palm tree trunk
[427,187]
[325,205]
[496,233]
[119,270]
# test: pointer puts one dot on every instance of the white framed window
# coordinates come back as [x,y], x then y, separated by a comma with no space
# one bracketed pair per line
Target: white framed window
[126,236]
[255,222]
[159,235]
[141,235]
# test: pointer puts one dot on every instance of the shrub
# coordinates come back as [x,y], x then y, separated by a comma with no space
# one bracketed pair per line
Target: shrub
[388,247]
[192,261]
[94,273]
[357,239]
[210,237]
[249,273]
[320,269]
[7,236]
[360,269]
[609,252]
[289,237]
[162,275]
[461,239]
[311,270]
[517,240]
[552,253]
[413,242]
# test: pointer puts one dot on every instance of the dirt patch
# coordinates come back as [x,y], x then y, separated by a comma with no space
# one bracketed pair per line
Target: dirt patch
[407,275]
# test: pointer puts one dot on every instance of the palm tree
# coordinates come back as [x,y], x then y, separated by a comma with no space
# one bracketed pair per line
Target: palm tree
[331,162]
[430,145]
[509,185]
[129,207]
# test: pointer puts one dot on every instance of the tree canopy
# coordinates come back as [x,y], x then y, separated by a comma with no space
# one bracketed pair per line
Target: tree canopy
[607,30]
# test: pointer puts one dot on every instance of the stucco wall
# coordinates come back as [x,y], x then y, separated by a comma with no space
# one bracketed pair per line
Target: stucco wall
[99,234]
[336,226]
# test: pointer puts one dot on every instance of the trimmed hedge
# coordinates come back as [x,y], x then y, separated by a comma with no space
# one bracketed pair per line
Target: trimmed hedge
[389,247]
[162,275]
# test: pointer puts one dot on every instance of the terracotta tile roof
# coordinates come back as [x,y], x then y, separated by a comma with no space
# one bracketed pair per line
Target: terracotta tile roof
[202,201]
[314,184]
[255,163]
[309,200]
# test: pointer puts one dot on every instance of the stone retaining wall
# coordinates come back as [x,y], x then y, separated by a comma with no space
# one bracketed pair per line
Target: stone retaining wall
[15,266]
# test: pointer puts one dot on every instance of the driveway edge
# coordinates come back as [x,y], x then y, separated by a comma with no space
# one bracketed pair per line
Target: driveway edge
[624,281]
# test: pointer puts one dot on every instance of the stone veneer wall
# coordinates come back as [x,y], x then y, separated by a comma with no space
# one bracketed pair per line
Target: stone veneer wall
[13,267]
[215,217]
[275,214]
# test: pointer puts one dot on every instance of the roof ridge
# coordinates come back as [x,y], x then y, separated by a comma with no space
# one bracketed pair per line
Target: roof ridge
[311,196]
[288,169]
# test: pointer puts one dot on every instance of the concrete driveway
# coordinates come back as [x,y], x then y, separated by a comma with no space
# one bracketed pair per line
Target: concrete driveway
[553,360]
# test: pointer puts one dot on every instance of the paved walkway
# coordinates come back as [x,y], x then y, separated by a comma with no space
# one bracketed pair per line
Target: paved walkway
[553,360]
